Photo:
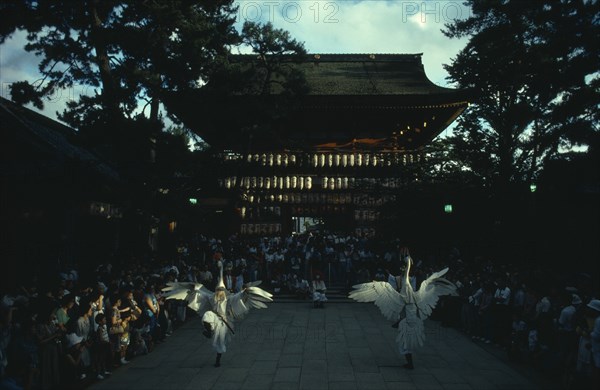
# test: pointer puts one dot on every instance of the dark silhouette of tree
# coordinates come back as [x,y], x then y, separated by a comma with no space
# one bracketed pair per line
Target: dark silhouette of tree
[534,67]
[128,50]
[132,53]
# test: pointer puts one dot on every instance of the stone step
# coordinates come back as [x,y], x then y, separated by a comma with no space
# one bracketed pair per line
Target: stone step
[333,296]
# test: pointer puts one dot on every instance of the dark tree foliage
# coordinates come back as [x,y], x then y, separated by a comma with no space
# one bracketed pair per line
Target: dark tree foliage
[269,74]
[127,52]
[126,49]
[534,66]
[137,51]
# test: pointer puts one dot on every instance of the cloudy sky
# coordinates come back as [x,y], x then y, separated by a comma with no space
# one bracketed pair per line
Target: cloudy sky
[337,26]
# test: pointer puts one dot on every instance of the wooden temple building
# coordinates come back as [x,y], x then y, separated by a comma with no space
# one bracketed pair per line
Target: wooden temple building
[338,152]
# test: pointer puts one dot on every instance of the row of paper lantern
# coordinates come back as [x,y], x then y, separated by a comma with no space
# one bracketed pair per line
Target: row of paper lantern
[315,210]
[260,228]
[306,182]
[319,198]
[335,159]
[366,215]
[274,182]
[255,212]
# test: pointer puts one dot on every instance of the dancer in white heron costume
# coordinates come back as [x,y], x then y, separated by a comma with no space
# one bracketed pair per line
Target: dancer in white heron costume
[409,307]
[220,308]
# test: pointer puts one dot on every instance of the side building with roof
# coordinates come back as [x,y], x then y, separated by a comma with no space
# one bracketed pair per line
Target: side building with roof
[59,201]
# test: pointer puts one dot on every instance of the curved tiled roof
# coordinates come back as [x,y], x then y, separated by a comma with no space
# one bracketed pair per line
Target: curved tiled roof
[48,137]
[362,74]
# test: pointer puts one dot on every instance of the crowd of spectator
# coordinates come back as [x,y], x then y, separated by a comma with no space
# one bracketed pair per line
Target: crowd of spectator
[74,327]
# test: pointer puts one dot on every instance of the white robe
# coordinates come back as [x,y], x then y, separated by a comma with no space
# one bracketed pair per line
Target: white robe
[319,285]
[221,333]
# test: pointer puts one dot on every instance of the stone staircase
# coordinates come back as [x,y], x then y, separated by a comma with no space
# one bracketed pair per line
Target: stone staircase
[335,294]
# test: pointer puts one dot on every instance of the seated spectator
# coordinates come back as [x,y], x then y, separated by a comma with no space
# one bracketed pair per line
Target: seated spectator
[206,277]
[74,369]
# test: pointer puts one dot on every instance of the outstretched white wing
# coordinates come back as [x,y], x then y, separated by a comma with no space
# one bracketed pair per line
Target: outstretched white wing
[239,304]
[195,294]
[386,298]
[431,290]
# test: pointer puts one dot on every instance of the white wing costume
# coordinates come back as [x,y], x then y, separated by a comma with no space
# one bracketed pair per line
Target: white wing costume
[219,308]
[411,307]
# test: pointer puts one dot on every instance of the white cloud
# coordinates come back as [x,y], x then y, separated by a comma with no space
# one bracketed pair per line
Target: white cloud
[366,27]
[16,64]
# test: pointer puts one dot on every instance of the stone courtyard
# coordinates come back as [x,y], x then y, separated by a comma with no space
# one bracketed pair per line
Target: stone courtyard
[343,346]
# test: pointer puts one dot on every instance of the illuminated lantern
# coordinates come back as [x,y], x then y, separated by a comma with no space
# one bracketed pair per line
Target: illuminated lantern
[324,182]
[294,181]
[345,183]
[367,156]
[279,160]
[249,158]
[322,160]
[301,182]
[287,182]
[261,182]
[281,182]
[308,183]
[263,159]
[374,161]
[270,160]
[267,183]
[337,160]
[315,160]
[228,183]
[359,160]
[293,159]
[352,158]
[344,160]
[332,184]
[338,183]
[253,181]
[329,160]
[243,212]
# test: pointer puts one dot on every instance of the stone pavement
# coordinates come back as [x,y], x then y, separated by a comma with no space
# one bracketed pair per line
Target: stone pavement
[294,346]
